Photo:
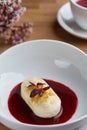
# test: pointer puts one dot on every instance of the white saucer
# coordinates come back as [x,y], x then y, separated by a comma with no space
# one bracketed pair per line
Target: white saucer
[66,21]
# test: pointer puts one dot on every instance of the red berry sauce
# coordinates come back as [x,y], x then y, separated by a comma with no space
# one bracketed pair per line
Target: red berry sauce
[82,3]
[20,110]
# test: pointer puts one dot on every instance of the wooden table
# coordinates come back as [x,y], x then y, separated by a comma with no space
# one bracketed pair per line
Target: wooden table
[43,15]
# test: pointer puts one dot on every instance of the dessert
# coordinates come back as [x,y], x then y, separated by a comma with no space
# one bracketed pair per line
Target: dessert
[40,97]
[23,113]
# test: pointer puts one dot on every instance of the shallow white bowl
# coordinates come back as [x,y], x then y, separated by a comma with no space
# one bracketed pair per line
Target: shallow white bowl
[49,59]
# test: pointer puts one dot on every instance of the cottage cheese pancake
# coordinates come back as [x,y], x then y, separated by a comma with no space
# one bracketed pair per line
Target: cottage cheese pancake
[40,97]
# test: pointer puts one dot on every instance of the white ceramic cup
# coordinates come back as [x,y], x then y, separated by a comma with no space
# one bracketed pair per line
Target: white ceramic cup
[79,13]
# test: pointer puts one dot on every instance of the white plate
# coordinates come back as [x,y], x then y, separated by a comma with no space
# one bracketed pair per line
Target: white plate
[48,59]
[66,21]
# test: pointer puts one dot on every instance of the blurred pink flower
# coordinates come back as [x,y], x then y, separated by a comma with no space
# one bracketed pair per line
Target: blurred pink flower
[18,34]
[10,13]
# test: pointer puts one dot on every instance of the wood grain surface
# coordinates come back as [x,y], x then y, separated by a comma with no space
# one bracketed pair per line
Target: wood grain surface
[45,26]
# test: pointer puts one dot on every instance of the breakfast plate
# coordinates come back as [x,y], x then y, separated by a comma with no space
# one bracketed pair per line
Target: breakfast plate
[48,59]
[66,21]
